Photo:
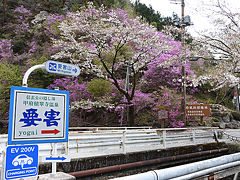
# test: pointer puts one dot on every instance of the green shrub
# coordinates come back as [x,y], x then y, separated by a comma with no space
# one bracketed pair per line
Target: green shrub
[19,46]
[99,87]
[236,115]
[215,119]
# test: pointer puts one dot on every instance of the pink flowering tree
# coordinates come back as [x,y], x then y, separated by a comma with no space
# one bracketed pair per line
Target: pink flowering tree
[103,42]
[168,79]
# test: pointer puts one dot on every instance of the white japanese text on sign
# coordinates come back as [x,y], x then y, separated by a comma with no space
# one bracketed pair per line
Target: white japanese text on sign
[198,110]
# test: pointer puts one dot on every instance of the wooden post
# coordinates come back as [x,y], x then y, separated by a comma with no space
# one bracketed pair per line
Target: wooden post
[162,123]
[124,142]
[201,120]
[164,138]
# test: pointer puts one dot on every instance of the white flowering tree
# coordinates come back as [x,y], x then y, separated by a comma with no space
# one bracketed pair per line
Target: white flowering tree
[221,47]
[103,42]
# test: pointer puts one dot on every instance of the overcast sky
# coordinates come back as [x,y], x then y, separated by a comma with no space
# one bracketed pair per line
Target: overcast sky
[194,8]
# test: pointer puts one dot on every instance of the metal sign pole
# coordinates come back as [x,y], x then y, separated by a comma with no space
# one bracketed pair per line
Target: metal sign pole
[54,164]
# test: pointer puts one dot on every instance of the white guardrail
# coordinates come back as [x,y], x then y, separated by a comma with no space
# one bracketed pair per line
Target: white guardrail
[101,141]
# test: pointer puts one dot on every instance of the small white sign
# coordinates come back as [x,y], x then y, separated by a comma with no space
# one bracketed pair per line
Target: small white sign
[60,158]
[62,68]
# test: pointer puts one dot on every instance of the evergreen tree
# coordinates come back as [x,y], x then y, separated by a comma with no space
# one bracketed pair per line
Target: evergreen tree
[152,17]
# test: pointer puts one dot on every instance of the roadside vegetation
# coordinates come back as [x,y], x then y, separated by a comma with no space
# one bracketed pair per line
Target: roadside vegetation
[129,64]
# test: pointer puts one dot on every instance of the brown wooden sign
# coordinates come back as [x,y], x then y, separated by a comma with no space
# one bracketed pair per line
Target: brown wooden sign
[198,110]
[163,114]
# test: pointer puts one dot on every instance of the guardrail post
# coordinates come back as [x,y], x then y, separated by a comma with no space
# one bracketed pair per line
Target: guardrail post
[123,142]
[67,148]
[164,138]
[3,160]
[194,136]
[215,136]
[235,176]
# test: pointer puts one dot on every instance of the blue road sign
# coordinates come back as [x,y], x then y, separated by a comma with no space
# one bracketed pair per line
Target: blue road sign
[62,68]
[21,161]
[38,116]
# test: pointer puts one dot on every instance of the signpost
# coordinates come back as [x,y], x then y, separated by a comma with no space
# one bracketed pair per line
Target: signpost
[21,161]
[163,114]
[38,116]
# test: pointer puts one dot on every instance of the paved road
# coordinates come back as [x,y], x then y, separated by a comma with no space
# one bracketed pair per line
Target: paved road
[233,132]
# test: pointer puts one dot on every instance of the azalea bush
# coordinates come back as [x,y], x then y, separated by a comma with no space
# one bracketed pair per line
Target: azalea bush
[78,91]
[6,51]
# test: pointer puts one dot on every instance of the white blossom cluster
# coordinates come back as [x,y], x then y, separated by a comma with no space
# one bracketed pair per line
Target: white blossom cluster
[40,17]
[221,48]
[90,35]
[217,81]
[83,104]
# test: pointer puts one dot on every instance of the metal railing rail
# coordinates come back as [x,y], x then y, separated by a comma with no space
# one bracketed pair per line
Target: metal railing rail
[84,144]
[108,128]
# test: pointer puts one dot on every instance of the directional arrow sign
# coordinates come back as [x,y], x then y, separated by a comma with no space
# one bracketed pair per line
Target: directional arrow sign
[60,158]
[56,158]
[62,68]
[55,131]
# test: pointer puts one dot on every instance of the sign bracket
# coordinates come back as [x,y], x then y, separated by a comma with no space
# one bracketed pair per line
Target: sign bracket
[54,67]
[26,75]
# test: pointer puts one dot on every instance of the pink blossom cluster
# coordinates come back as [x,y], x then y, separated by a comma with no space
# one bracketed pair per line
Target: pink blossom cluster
[78,91]
[174,111]
[6,51]
[21,25]
[51,25]
[33,48]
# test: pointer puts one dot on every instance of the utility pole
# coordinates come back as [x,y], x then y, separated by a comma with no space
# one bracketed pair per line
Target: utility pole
[182,24]
[127,90]
[183,66]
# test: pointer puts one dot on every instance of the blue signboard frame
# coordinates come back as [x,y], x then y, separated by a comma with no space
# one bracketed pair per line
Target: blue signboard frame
[11,128]
[21,161]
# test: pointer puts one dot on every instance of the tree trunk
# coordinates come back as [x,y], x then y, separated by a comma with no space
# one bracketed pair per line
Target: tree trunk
[131,116]
[4,11]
